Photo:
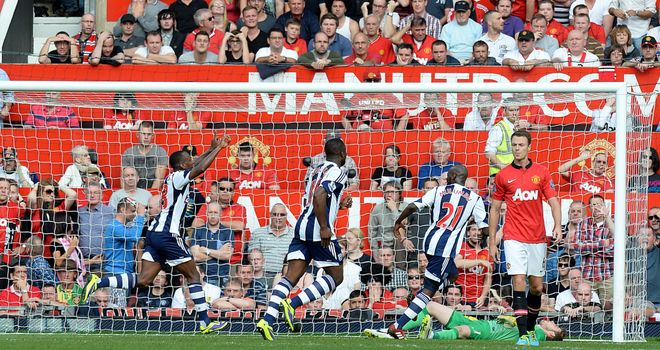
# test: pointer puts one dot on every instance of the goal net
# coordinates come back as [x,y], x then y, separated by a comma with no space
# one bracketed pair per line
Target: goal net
[62,219]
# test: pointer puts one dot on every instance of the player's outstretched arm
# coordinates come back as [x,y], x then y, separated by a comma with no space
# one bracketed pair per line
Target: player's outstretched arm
[206,159]
[320,209]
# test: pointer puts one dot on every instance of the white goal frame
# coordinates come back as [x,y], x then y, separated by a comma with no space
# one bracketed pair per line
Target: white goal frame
[618,88]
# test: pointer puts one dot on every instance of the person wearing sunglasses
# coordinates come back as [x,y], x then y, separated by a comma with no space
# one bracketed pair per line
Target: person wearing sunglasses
[654,220]
[205,22]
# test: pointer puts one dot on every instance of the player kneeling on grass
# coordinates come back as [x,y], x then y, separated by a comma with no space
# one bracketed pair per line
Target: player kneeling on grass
[458,326]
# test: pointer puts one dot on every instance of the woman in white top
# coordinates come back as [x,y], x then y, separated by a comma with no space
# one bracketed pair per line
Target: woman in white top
[347,26]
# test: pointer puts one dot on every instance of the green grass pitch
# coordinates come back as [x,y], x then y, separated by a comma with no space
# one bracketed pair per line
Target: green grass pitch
[303,342]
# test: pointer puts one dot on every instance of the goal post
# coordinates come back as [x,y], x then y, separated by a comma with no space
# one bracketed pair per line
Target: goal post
[567,92]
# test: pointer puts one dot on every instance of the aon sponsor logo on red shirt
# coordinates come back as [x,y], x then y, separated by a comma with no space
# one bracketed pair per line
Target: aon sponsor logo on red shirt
[521,195]
[250,184]
[590,188]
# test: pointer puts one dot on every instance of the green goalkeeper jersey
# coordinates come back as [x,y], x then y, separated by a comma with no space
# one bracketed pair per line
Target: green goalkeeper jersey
[503,331]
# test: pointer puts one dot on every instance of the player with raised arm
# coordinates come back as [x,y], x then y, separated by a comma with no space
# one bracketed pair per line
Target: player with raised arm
[451,206]
[314,239]
[164,244]
[522,185]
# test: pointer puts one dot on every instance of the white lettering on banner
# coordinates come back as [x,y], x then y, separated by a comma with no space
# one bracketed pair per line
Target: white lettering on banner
[271,105]
[452,78]
[645,105]
[326,98]
[521,195]
[541,99]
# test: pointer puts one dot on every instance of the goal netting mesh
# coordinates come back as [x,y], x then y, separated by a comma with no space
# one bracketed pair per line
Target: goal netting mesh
[399,143]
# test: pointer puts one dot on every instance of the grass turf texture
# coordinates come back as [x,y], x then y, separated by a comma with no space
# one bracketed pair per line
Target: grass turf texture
[198,341]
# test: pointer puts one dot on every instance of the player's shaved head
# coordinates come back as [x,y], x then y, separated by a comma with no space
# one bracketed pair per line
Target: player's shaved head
[177,158]
[335,151]
[457,174]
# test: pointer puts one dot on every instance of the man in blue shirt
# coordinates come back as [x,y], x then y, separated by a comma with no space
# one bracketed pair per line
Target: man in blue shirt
[440,163]
[338,43]
[212,246]
[309,23]
[120,237]
[93,219]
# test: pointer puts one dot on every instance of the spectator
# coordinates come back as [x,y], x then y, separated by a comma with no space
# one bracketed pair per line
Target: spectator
[273,241]
[555,29]
[387,19]
[560,282]
[147,158]
[604,119]
[654,222]
[211,246]
[309,23]
[567,297]
[379,298]
[171,37]
[634,14]
[346,27]
[526,57]
[158,295]
[107,52]
[93,218]
[499,44]
[184,12]
[234,49]
[581,24]
[234,298]
[439,163]
[200,54]
[182,299]
[595,29]
[512,24]
[474,268]
[544,42]
[381,222]
[482,117]
[39,271]
[145,14]
[256,38]
[576,212]
[121,236]
[583,305]
[380,47]
[595,245]
[123,116]
[154,52]
[354,243]
[433,24]
[648,59]
[86,37]
[191,118]
[420,42]
[276,52]
[52,114]
[219,11]
[127,39]
[385,257]
[249,173]
[576,53]
[81,163]
[647,240]
[292,40]
[11,169]
[454,298]
[205,22]
[20,293]
[597,10]
[49,304]
[461,33]
[418,224]
[68,291]
[318,159]
[498,147]
[66,50]
[648,169]
[252,288]
[256,259]
[361,54]
[620,35]
[614,55]
[320,57]
[336,42]
[441,56]
[129,182]
[391,171]
[481,56]
[594,180]
[356,306]
[414,283]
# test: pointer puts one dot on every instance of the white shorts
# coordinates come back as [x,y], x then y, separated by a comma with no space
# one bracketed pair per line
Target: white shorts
[525,258]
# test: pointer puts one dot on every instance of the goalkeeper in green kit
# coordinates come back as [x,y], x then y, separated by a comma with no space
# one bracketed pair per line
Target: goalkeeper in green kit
[458,326]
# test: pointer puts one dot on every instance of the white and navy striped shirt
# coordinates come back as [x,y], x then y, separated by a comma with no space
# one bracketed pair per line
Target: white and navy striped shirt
[451,207]
[174,198]
[333,179]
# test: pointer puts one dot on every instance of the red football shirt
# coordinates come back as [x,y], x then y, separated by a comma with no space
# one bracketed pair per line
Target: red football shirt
[585,182]
[259,178]
[10,237]
[181,120]
[596,31]
[473,278]
[215,40]
[426,120]
[11,298]
[382,47]
[519,8]
[422,52]
[299,46]
[523,190]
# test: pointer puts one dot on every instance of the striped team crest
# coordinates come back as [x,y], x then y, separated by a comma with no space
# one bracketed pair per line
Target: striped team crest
[451,207]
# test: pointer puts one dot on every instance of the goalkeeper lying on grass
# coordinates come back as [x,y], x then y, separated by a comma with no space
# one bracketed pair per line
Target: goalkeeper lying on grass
[458,326]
